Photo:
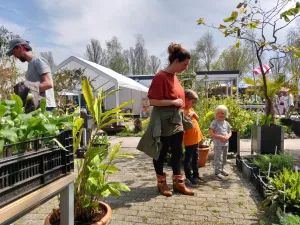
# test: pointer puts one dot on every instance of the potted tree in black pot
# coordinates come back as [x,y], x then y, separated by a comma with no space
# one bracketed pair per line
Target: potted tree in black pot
[250,15]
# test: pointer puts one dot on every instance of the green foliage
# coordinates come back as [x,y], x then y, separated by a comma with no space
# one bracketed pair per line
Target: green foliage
[102,139]
[239,118]
[66,80]
[92,181]
[278,162]
[252,15]
[187,79]
[290,219]
[16,126]
[275,197]
[132,133]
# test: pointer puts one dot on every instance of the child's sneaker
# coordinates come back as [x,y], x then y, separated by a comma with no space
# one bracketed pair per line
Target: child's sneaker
[224,173]
[220,177]
[198,180]
[191,182]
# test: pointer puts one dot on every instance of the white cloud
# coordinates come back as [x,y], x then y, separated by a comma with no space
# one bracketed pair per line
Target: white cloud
[73,22]
[13,27]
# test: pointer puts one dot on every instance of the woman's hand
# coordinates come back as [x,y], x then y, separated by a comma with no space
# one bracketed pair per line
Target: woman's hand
[178,102]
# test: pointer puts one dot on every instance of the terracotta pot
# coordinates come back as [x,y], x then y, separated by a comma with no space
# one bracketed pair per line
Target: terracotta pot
[203,155]
[103,221]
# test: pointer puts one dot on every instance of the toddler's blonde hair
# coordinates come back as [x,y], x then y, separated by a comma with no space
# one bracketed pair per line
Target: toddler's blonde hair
[222,108]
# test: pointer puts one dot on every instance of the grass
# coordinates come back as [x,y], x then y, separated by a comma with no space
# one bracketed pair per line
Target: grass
[253,212]
[239,203]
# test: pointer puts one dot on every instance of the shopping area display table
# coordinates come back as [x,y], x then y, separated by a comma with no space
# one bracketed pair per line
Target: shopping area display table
[63,186]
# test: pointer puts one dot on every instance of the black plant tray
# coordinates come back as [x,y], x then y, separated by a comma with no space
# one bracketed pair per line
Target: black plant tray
[264,186]
[239,162]
[22,174]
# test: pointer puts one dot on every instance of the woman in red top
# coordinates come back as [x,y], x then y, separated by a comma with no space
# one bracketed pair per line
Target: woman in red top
[166,91]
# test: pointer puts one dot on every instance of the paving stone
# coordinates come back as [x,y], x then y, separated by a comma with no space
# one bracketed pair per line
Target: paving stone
[215,202]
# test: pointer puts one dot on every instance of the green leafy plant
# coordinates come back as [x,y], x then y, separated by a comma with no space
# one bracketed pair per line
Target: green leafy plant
[240,119]
[290,219]
[102,139]
[287,218]
[92,181]
[291,180]
[278,162]
[16,126]
[132,133]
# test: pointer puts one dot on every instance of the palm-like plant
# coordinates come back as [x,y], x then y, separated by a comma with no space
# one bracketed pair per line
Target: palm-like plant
[274,84]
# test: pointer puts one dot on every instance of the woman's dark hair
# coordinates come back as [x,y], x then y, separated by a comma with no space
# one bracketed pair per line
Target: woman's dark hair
[176,51]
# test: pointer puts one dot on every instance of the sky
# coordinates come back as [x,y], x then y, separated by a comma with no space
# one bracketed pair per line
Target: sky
[65,27]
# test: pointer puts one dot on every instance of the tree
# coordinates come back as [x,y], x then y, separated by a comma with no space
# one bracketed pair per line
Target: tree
[9,75]
[154,64]
[279,64]
[207,50]
[67,80]
[141,55]
[115,59]
[293,36]
[195,64]
[252,16]
[5,37]
[137,57]
[49,58]
[235,59]
[95,53]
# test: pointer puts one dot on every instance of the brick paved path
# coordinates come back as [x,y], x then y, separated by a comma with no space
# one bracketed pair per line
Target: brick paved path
[232,202]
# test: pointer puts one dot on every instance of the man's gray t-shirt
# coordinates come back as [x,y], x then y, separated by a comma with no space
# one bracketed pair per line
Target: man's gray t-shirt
[220,128]
[36,67]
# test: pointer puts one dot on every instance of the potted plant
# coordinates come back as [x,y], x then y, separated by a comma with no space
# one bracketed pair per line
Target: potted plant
[203,151]
[204,145]
[93,170]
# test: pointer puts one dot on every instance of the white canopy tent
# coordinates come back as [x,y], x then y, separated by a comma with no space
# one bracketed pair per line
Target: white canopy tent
[102,77]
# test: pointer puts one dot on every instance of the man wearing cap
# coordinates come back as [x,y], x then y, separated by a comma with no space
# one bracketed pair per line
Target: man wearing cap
[38,69]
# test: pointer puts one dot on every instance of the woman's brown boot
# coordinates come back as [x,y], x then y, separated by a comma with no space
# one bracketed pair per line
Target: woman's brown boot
[162,185]
[179,185]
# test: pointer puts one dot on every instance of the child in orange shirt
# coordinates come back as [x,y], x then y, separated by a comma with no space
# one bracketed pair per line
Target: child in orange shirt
[191,140]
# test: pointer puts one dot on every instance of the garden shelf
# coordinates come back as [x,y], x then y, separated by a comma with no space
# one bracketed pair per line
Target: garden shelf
[22,173]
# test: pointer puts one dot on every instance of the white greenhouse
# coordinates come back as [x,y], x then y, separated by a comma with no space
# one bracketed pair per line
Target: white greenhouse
[102,77]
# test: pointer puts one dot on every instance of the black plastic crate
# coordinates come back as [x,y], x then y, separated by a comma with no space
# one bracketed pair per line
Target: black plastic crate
[239,162]
[22,174]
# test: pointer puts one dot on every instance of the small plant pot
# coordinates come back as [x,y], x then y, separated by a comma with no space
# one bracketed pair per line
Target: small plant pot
[103,221]
[296,127]
[203,151]
[234,142]
[286,121]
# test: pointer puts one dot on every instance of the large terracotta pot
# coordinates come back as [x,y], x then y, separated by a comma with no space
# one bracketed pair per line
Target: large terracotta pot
[203,155]
[103,221]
